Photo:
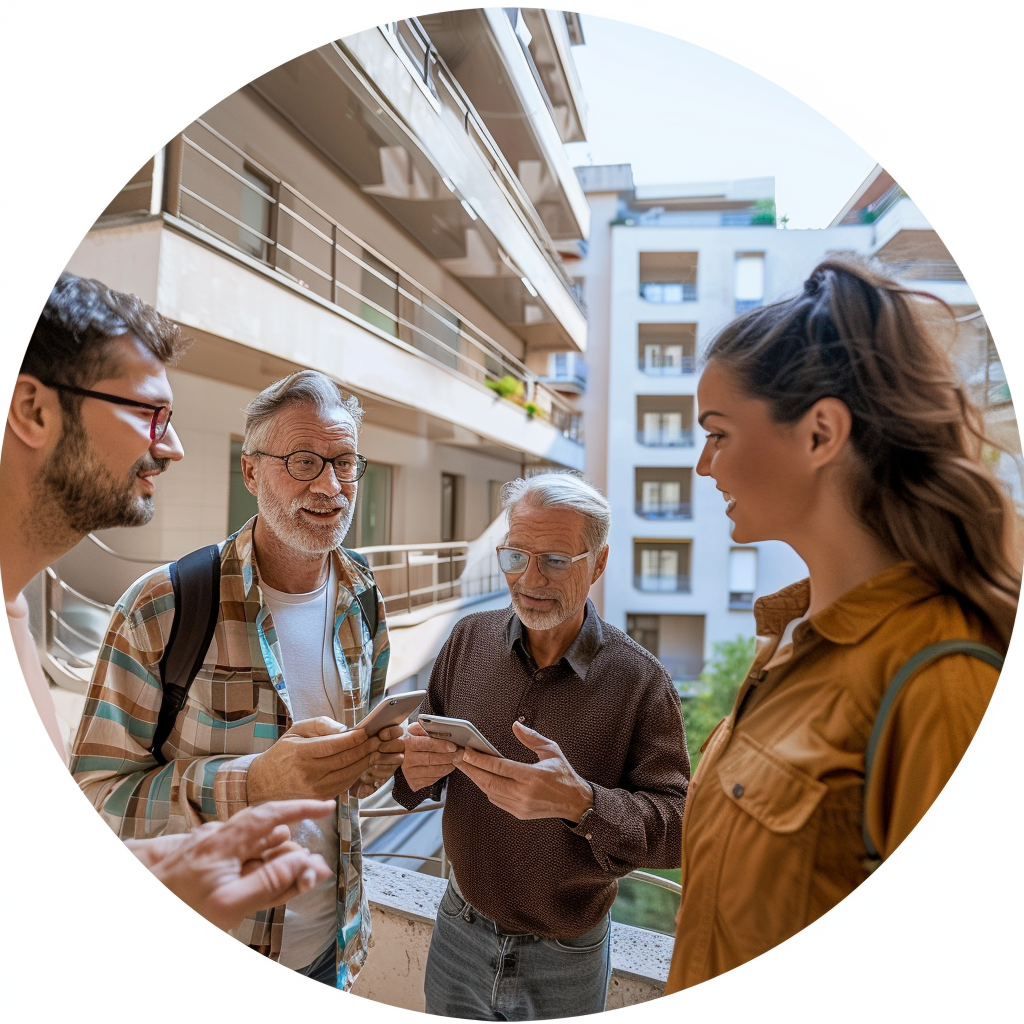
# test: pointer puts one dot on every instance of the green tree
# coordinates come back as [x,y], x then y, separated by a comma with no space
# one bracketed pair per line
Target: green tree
[719,683]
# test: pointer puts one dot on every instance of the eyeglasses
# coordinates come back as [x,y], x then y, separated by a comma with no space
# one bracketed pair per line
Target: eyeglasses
[161,413]
[551,566]
[307,466]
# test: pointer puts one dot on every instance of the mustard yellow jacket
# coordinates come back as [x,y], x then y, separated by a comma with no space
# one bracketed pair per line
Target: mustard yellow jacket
[772,830]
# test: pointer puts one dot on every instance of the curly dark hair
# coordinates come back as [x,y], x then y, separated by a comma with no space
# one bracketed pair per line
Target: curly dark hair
[70,342]
[921,486]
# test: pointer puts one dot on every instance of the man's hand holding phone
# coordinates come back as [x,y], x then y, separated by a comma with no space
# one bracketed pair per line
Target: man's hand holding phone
[551,788]
[427,760]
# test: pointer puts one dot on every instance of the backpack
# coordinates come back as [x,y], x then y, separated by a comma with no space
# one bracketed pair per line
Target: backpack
[196,582]
[972,649]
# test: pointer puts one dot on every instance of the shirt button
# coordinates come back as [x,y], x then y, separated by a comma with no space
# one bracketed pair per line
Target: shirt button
[589,836]
[737,790]
[522,718]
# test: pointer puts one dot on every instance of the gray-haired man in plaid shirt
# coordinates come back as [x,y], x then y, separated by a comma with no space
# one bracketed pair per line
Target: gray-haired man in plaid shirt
[293,667]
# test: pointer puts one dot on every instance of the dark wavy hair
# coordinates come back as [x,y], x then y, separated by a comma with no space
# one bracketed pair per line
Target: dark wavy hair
[920,485]
[70,343]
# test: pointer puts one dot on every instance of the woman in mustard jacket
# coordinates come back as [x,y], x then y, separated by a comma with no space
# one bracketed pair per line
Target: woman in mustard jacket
[836,423]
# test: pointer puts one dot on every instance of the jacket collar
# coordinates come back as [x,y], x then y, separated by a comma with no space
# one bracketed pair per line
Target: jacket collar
[853,616]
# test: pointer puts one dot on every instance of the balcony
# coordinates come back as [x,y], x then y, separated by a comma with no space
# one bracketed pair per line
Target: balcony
[669,291]
[403,906]
[664,438]
[414,141]
[220,193]
[746,305]
[741,600]
[677,367]
[664,510]
[655,584]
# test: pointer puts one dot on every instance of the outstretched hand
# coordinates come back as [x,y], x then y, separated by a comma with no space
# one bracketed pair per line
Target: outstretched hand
[551,788]
[227,870]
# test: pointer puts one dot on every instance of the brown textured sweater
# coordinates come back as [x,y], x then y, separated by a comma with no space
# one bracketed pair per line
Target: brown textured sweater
[611,707]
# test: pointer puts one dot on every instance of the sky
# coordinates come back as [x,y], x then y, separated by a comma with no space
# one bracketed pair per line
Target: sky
[679,113]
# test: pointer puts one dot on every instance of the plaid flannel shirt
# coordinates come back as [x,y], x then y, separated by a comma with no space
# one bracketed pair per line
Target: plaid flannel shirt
[237,707]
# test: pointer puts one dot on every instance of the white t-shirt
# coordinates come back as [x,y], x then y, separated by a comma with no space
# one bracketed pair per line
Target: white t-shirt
[305,634]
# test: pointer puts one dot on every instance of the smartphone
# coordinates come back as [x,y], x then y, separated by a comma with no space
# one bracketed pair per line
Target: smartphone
[459,731]
[392,710]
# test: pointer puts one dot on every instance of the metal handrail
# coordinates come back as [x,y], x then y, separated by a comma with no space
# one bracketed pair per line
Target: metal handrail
[53,577]
[142,560]
[491,362]
[665,439]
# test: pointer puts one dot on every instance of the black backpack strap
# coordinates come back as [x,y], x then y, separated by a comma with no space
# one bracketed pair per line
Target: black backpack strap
[972,649]
[368,598]
[196,582]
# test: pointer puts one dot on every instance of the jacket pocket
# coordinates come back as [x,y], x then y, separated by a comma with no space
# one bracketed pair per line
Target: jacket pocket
[773,792]
[763,893]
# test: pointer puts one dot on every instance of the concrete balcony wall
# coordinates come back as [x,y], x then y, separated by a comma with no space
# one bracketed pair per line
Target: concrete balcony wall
[403,906]
[200,288]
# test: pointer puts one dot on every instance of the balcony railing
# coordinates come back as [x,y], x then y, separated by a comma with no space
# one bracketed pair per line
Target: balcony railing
[415,42]
[665,438]
[664,510]
[273,223]
[669,291]
[741,600]
[746,305]
[683,668]
[662,584]
[687,364]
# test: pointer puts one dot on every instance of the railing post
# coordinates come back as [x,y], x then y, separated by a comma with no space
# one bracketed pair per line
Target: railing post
[174,154]
[334,262]
[275,223]
[408,582]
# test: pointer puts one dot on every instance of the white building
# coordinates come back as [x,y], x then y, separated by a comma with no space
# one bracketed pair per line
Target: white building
[666,267]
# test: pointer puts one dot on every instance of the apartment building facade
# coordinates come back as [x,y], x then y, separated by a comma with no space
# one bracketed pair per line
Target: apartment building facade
[666,267]
[386,209]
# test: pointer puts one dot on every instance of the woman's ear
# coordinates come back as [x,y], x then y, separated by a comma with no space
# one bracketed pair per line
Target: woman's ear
[35,416]
[826,425]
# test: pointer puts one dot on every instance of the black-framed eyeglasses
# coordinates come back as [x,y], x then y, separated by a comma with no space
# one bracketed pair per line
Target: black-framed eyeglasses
[307,466]
[161,413]
[551,565]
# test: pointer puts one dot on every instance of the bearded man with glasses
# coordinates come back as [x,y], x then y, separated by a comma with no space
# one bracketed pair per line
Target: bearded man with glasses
[591,783]
[296,661]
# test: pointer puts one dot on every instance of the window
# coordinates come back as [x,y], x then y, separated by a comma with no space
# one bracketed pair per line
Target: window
[668,276]
[742,577]
[749,280]
[662,566]
[380,289]
[667,350]
[665,421]
[663,493]
[255,211]
[644,630]
[449,507]
[371,523]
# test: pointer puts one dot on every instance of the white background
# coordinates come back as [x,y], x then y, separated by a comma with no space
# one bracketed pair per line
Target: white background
[931,90]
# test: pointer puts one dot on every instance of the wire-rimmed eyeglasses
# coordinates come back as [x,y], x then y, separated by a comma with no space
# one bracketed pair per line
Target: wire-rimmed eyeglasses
[161,413]
[551,565]
[307,466]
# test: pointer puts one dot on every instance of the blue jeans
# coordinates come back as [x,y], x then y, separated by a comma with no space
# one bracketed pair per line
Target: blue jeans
[323,968]
[477,972]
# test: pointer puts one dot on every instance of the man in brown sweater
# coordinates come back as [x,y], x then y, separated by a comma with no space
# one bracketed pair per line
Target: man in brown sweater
[591,783]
